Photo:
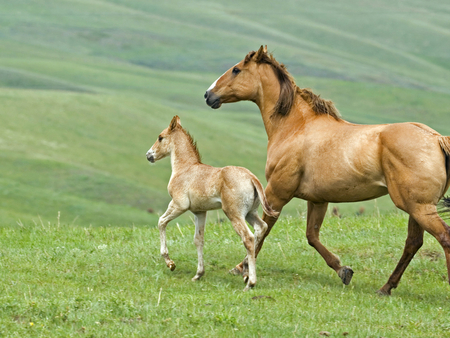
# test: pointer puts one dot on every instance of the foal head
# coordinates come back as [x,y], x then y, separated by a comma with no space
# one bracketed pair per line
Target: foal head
[164,144]
[174,140]
[244,82]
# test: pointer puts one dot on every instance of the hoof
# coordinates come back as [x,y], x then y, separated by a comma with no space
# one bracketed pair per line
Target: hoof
[235,271]
[196,278]
[384,291]
[248,287]
[171,266]
[346,274]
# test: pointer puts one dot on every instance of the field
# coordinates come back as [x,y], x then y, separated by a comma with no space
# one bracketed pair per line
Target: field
[63,281]
[85,88]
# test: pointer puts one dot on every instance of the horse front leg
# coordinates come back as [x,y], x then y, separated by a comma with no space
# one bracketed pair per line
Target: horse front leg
[315,216]
[199,240]
[172,212]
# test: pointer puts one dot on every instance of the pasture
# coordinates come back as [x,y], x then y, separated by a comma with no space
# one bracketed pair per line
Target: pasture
[85,88]
[59,280]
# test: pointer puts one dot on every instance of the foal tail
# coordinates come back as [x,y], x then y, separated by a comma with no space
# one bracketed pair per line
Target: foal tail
[262,198]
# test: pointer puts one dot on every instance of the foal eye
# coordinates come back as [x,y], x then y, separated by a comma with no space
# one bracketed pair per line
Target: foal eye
[160,138]
[236,71]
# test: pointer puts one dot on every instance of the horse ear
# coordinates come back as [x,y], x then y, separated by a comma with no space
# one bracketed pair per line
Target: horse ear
[260,53]
[265,49]
[175,122]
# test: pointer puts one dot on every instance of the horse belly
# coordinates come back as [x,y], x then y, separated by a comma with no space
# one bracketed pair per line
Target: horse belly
[205,203]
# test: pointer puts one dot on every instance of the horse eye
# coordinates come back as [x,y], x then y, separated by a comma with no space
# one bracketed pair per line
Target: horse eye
[236,71]
[160,138]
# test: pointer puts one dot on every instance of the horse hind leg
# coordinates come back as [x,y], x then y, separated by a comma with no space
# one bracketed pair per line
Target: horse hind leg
[315,216]
[428,219]
[200,220]
[413,243]
[260,227]
[248,239]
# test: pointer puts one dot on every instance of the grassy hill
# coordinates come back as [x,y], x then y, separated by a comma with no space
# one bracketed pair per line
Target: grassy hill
[86,86]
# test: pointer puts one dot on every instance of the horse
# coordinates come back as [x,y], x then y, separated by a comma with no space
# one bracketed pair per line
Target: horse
[315,155]
[198,187]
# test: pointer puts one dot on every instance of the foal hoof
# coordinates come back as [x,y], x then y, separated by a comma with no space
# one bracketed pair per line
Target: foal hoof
[196,278]
[171,266]
[235,271]
[346,274]
[248,287]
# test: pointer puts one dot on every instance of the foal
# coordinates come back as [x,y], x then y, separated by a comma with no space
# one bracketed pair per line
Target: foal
[199,187]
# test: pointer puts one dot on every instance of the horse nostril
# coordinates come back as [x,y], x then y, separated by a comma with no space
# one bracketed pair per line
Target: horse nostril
[206,95]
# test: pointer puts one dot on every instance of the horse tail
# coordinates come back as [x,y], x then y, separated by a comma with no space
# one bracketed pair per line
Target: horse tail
[444,142]
[444,204]
[262,198]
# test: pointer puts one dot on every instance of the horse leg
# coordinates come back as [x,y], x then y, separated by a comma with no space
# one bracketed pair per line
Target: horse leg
[277,203]
[314,219]
[428,219]
[248,239]
[260,228]
[200,220]
[172,212]
[413,243]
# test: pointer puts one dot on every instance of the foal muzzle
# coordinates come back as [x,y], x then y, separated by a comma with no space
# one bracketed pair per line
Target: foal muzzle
[150,156]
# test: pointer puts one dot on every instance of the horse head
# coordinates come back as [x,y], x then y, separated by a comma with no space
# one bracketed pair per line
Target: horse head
[240,82]
[164,144]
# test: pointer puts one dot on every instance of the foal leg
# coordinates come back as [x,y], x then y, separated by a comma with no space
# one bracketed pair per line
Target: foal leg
[200,220]
[260,227]
[172,212]
[413,243]
[314,220]
[248,239]
[277,203]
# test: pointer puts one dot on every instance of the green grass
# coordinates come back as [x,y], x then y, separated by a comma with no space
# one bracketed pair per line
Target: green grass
[85,88]
[60,280]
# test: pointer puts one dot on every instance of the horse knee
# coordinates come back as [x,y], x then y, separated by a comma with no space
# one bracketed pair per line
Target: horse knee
[312,239]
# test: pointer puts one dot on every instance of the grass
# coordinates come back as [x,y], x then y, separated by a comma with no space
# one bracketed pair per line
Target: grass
[60,280]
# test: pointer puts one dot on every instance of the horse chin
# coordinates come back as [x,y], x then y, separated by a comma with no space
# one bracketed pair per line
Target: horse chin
[151,159]
[216,105]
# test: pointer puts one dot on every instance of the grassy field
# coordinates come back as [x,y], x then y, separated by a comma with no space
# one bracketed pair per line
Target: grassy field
[85,87]
[59,280]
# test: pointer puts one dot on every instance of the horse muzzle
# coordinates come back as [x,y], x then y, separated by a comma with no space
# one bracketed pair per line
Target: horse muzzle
[150,156]
[212,100]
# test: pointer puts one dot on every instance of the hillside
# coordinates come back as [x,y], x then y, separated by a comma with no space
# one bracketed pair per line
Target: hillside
[86,86]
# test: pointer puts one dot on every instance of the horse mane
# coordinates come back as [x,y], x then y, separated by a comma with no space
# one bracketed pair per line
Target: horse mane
[319,105]
[288,89]
[193,143]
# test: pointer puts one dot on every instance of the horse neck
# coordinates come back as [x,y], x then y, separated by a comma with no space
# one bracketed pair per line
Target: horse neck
[183,154]
[300,113]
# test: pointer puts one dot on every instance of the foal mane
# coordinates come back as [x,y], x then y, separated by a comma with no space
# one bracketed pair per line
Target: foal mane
[288,89]
[193,144]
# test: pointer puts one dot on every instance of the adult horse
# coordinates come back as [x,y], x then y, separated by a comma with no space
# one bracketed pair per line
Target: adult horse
[315,155]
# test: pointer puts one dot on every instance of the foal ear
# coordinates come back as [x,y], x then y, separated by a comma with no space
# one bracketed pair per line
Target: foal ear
[175,122]
[260,53]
